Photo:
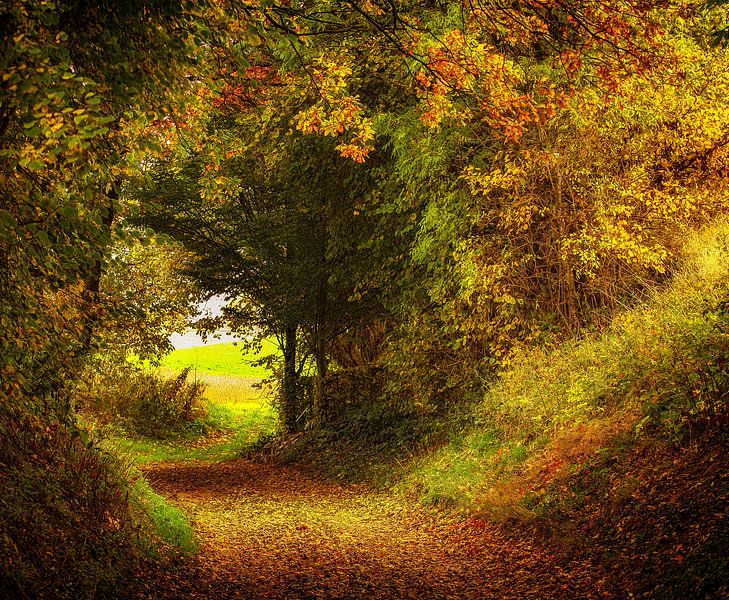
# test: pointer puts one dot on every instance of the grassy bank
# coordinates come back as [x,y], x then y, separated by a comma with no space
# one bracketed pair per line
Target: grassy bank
[77,520]
[171,524]
[659,369]
[232,424]
[612,448]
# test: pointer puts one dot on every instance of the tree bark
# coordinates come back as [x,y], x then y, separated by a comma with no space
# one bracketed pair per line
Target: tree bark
[289,384]
[90,294]
[321,405]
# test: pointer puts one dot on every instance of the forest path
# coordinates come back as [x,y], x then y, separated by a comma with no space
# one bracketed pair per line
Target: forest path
[271,531]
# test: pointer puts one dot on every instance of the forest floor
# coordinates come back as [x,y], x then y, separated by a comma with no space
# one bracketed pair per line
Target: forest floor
[272,531]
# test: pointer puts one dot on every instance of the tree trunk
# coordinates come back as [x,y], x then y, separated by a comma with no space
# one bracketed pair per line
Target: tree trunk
[90,294]
[289,385]
[321,401]
[90,306]
[321,404]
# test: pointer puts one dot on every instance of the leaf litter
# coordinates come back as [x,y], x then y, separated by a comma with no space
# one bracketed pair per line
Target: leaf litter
[278,532]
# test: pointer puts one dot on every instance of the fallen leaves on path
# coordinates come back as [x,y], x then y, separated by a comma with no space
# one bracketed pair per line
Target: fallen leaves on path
[275,532]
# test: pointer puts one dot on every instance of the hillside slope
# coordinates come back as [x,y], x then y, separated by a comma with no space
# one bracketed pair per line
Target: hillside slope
[613,447]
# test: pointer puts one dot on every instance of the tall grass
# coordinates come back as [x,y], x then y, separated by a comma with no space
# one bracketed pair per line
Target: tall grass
[144,402]
[660,366]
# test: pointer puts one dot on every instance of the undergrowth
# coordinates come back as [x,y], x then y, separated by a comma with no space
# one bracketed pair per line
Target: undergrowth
[143,402]
[72,524]
[659,369]
[374,443]
[611,448]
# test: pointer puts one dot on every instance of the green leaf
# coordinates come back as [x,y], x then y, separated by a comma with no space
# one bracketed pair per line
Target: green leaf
[7,219]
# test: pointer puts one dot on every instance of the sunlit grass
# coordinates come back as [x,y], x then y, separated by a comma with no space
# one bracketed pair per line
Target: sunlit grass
[221,359]
[233,426]
[238,412]
[171,524]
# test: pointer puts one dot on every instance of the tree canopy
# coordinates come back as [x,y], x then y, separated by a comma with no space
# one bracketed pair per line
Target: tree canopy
[471,177]
[478,218]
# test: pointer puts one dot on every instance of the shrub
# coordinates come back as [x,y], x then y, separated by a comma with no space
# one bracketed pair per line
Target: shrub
[67,528]
[147,403]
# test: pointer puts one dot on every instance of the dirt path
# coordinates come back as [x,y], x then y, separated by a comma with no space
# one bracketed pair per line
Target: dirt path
[275,532]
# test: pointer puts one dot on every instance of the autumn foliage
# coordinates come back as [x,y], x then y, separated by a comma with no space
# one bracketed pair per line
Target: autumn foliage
[409,197]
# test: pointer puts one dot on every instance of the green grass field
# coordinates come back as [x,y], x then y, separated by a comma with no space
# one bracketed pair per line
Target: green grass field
[238,407]
[221,359]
